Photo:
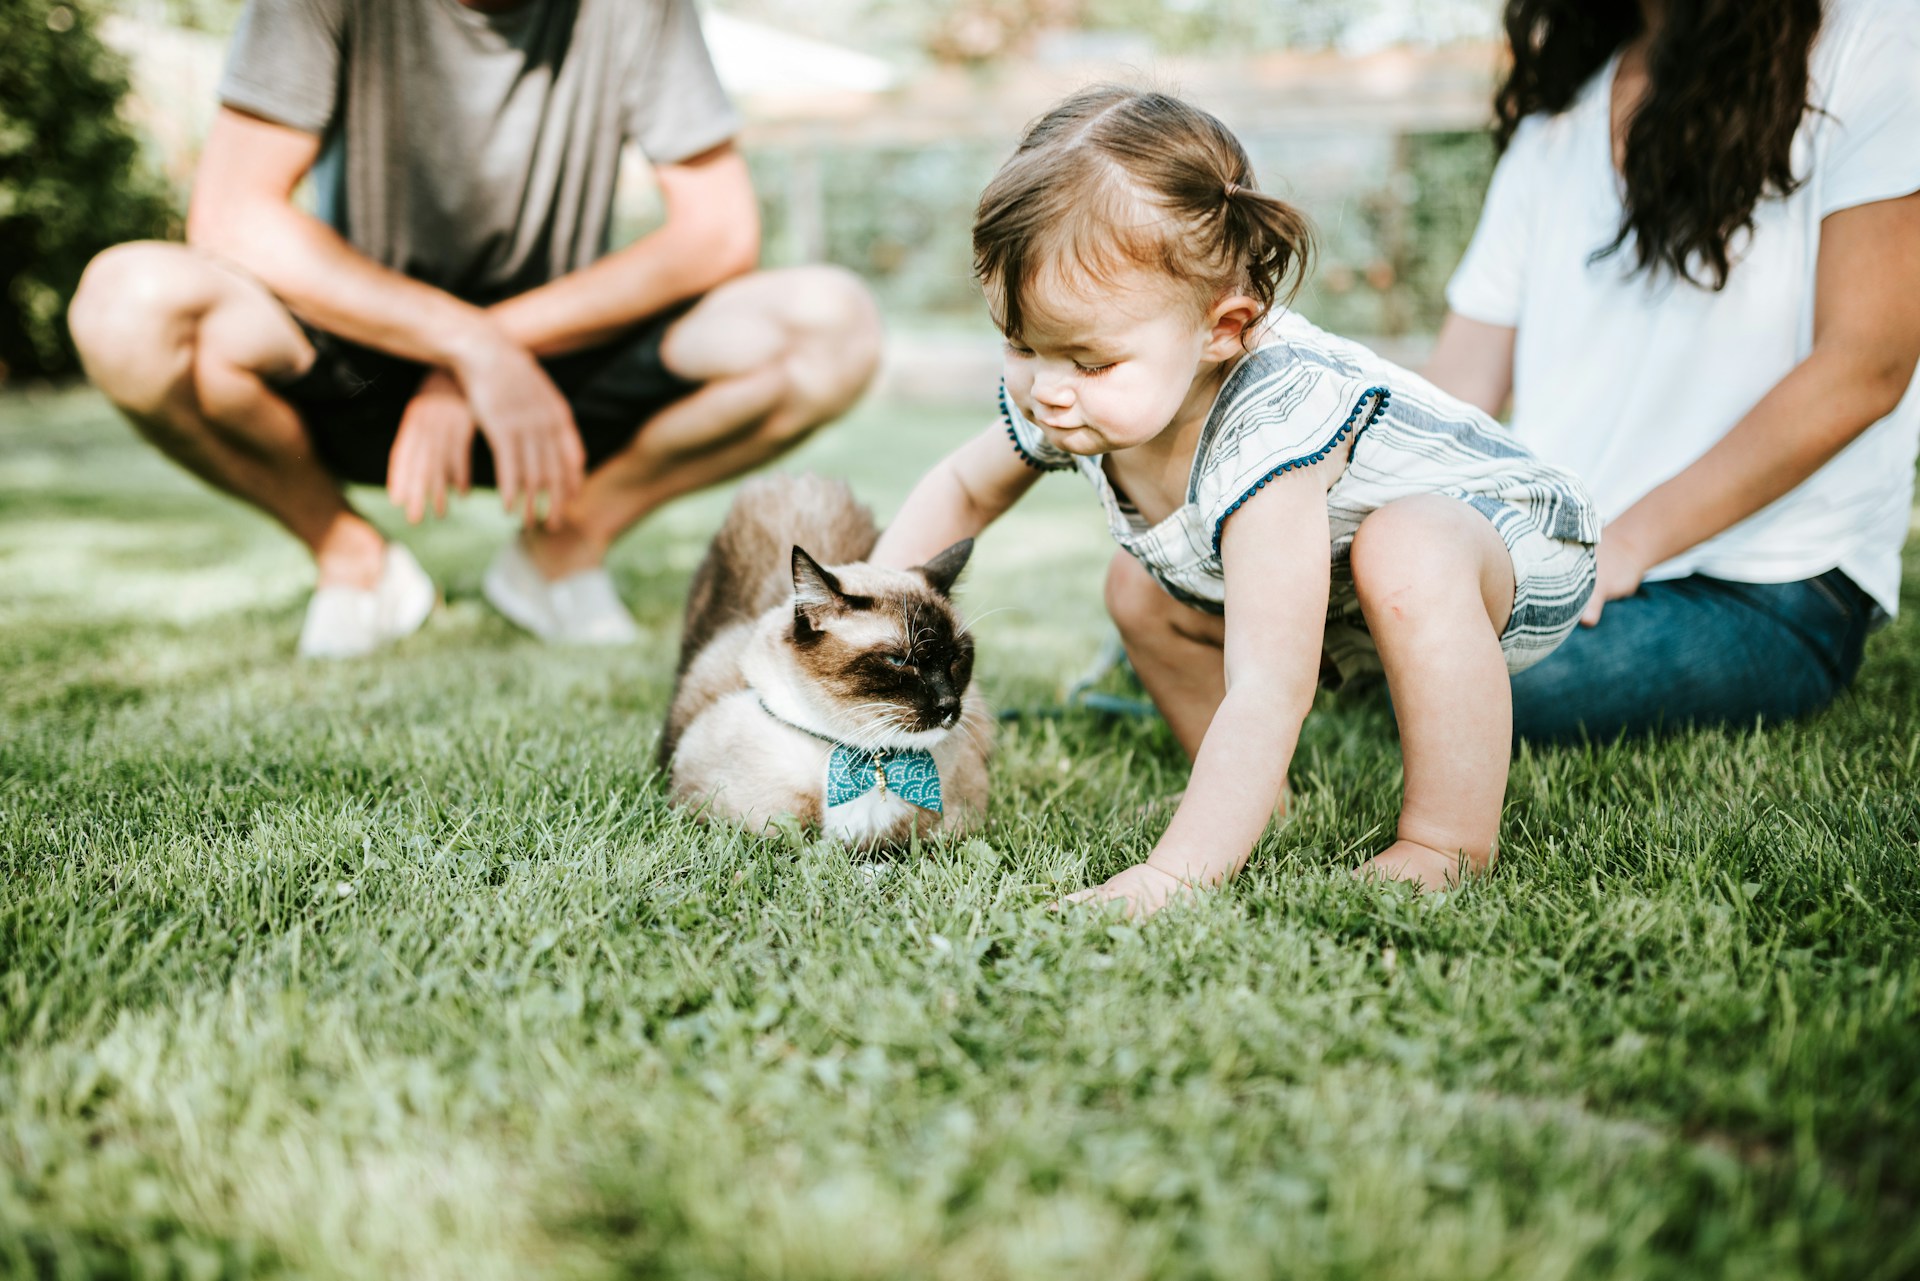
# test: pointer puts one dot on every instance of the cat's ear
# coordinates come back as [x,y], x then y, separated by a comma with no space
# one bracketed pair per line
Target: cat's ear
[942,570]
[813,587]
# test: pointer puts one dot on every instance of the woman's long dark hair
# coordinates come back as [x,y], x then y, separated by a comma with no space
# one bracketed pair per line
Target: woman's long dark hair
[1713,136]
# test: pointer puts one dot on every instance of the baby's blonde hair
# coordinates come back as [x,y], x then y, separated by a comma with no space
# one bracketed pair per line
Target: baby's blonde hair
[1115,178]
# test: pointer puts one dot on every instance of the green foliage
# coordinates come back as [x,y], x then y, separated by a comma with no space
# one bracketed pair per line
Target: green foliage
[1448,173]
[215,16]
[72,179]
[1389,248]
[982,31]
[405,968]
[901,217]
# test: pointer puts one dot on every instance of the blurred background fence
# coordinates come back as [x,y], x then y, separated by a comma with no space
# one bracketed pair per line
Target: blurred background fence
[872,126]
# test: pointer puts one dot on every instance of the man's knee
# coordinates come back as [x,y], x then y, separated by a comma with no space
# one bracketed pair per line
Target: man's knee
[832,306]
[832,341]
[816,330]
[133,318]
[836,338]
[132,288]
[150,318]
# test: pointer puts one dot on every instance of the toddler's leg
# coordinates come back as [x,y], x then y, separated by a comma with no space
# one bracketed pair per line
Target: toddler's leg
[1177,651]
[1435,582]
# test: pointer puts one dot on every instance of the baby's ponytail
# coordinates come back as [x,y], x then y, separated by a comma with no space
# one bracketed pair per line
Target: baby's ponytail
[1113,178]
[1271,238]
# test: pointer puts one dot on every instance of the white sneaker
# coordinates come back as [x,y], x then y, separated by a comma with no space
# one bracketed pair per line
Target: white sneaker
[580,609]
[346,622]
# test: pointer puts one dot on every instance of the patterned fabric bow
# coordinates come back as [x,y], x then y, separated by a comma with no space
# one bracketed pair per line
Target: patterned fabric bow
[908,773]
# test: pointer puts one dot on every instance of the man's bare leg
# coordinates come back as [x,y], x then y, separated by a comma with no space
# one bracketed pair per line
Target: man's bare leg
[779,352]
[184,345]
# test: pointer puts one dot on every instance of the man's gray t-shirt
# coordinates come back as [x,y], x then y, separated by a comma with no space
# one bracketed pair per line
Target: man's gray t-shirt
[478,152]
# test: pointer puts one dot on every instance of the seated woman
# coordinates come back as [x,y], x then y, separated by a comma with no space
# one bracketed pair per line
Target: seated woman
[1698,275]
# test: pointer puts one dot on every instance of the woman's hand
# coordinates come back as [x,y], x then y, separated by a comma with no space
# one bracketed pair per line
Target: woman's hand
[1620,570]
[1143,888]
[1866,342]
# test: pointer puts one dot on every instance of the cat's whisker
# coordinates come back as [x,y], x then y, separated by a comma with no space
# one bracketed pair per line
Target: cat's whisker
[973,733]
[877,725]
[897,722]
[871,735]
[965,626]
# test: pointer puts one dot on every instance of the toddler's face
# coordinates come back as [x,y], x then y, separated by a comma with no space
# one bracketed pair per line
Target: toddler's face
[1108,366]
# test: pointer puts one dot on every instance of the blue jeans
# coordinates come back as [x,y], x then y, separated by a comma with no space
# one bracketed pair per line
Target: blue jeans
[1698,651]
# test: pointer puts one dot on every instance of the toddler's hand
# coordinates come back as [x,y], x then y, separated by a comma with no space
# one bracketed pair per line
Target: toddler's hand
[1144,888]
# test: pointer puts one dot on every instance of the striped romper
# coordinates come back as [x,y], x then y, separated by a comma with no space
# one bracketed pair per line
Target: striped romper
[1293,400]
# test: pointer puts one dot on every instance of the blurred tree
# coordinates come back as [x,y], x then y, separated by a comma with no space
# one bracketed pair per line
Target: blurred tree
[72,179]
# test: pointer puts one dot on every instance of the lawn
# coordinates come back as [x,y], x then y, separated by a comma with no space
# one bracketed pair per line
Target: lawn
[405,968]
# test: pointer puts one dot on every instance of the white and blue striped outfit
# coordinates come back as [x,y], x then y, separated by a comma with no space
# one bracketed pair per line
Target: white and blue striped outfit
[1301,394]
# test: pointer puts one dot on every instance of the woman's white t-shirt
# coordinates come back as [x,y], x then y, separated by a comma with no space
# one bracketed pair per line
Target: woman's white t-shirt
[1625,380]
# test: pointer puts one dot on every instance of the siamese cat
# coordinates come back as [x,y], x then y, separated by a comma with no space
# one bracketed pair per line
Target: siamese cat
[816,686]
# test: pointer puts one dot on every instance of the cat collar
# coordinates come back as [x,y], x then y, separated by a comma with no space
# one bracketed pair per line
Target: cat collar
[853,772]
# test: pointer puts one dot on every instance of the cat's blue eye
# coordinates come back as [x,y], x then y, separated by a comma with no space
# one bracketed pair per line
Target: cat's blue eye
[896,660]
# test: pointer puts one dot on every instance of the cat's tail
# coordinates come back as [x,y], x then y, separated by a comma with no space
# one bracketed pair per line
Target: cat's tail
[748,568]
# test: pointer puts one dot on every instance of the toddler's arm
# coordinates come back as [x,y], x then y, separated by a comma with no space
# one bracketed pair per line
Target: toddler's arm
[964,493]
[1275,550]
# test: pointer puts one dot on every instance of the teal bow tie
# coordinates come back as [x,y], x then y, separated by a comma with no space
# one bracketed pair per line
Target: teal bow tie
[908,773]
[852,772]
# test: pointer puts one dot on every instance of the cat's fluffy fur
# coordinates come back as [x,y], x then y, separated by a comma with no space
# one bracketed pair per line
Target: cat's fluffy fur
[783,616]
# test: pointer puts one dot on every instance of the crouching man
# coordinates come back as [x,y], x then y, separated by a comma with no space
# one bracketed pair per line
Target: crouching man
[450,315]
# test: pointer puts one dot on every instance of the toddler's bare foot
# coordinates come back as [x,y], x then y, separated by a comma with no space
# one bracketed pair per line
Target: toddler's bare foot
[1426,867]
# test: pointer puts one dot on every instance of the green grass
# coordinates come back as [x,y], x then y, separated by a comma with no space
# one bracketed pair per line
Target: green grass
[404,967]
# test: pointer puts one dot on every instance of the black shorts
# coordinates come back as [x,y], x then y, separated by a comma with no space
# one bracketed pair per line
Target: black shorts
[352,397]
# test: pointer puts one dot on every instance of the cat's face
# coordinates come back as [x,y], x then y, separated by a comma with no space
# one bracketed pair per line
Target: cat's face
[892,657]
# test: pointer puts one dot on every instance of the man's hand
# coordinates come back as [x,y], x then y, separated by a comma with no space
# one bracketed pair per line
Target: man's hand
[1143,888]
[536,447]
[433,452]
